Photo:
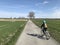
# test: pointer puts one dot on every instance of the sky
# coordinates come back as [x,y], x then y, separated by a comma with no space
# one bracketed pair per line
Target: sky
[21,8]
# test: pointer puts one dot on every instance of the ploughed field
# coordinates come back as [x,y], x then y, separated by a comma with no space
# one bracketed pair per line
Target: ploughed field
[10,31]
[53,27]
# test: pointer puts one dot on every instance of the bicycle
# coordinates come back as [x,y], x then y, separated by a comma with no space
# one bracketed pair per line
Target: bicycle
[46,34]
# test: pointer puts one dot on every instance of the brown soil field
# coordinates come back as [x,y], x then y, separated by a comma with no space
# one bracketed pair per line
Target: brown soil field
[13,20]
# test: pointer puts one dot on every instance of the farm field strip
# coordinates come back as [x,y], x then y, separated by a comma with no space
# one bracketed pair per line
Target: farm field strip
[3,25]
[6,27]
[4,22]
[8,31]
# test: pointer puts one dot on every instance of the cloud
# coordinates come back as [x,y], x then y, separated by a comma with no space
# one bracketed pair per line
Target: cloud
[13,6]
[33,10]
[54,8]
[56,13]
[12,14]
[42,3]
[45,2]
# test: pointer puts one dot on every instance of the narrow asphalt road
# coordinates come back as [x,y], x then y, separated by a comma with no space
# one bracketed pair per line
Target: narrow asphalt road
[30,36]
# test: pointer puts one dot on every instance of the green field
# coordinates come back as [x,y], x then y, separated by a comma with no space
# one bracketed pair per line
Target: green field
[9,31]
[53,27]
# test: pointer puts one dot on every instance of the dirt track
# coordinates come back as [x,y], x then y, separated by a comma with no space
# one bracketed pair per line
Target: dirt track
[30,36]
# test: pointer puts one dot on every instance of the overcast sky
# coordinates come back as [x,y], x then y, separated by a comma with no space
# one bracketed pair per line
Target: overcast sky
[21,8]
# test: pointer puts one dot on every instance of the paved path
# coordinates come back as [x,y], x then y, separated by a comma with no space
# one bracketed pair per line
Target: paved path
[30,36]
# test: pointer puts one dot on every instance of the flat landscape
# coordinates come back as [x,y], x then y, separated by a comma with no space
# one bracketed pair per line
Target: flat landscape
[31,36]
[53,27]
[9,31]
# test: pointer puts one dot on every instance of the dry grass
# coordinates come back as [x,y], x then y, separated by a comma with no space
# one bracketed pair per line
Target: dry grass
[13,20]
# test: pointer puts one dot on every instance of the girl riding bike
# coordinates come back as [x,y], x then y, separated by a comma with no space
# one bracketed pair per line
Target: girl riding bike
[44,30]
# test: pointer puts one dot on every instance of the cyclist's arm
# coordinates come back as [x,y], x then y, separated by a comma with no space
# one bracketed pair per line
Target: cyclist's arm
[42,25]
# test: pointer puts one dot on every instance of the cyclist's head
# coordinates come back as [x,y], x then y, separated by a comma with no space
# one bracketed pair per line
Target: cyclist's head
[44,21]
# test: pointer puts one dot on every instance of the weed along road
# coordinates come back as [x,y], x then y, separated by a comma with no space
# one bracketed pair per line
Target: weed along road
[30,36]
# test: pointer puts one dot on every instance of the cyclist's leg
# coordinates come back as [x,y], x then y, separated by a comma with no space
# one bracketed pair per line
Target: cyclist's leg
[44,31]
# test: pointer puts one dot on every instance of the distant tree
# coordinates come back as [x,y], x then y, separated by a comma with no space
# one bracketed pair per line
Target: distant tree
[23,17]
[31,15]
[19,17]
[14,17]
[10,17]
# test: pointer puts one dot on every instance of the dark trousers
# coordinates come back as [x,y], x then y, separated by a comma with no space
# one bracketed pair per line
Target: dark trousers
[44,30]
